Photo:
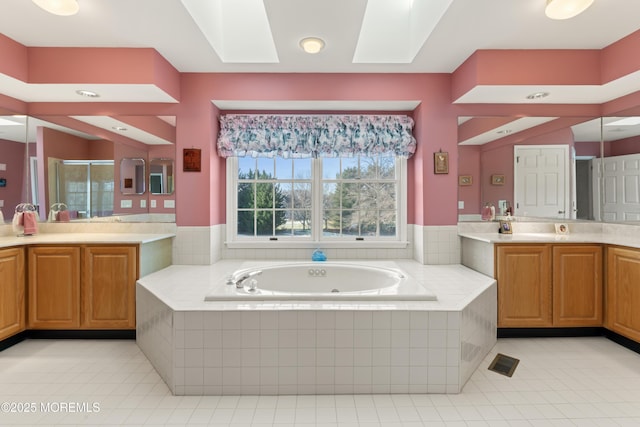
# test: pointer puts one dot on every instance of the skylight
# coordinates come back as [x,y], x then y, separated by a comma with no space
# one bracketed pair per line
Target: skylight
[238,30]
[394,31]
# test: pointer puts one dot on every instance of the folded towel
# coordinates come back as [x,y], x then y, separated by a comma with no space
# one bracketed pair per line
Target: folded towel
[1,217]
[30,223]
[63,216]
[17,223]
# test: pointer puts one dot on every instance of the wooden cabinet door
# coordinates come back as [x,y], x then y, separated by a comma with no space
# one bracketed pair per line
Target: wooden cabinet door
[54,287]
[577,285]
[524,285]
[108,293]
[622,314]
[12,303]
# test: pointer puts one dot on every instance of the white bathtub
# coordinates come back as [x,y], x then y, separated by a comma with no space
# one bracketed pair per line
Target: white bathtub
[321,281]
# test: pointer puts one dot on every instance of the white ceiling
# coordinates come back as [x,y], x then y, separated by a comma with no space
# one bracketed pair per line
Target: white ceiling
[464,27]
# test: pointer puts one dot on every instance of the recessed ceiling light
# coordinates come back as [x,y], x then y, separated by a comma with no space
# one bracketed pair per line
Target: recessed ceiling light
[312,44]
[119,128]
[59,7]
[87,93]
[565,9]
[538,95]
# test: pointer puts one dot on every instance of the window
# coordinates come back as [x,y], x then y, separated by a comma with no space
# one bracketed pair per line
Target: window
[342,200]
[359,197]
[273,197]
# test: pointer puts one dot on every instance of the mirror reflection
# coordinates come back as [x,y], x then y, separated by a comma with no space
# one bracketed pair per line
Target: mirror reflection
[161,176]
[83,188]
[71,161]
[132,176]
[600,179]
[620,169]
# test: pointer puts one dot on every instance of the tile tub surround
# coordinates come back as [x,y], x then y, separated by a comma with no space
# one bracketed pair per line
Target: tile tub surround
[204,245]
[223,348]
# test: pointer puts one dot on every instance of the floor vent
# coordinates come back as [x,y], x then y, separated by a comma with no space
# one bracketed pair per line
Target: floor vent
[504,365]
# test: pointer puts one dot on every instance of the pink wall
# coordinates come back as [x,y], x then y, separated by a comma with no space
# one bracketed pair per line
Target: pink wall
[13,156]
[622,147]
[587,148]
[202,194]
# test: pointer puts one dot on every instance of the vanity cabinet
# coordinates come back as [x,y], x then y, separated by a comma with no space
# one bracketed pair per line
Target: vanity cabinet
[523,273]
[544,285]
[82,286]
[54,287]
[109,275]
[623,292]
[12,302]
[577,285]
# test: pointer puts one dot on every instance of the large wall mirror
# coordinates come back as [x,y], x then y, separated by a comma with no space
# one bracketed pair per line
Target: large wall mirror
[47,161]
[569,168]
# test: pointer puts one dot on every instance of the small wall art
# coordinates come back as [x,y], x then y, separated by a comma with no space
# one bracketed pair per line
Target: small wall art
[465,180]
[191,160]
[497,179]
[441,162]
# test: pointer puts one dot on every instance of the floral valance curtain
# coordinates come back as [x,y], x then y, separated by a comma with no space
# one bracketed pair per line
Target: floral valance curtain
[300,136]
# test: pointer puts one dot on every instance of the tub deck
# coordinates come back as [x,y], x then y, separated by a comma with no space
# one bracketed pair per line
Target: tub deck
[315,346]
[332,281]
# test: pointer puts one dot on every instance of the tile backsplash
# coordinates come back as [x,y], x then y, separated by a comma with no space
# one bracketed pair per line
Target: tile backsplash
[426,244]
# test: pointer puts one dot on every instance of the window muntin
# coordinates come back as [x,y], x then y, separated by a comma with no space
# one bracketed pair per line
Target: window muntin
[273,197]
[317,200]
[360,197]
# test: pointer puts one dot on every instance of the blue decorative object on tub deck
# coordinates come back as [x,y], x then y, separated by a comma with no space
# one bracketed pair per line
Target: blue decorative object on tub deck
[318,255]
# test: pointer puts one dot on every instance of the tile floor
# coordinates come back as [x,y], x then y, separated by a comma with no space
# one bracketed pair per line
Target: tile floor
[559,382]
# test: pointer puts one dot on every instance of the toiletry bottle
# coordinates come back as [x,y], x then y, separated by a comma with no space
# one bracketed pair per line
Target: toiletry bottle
[486,212]
[493,212]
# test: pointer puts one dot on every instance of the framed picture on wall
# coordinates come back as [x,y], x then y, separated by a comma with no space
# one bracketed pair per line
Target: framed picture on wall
[441,162]
[191,160]
[497,179]
[465,180]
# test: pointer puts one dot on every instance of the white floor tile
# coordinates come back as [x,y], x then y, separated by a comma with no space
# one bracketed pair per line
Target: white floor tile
[559,382]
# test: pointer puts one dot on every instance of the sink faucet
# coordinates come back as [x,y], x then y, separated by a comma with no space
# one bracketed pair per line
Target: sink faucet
[240,280]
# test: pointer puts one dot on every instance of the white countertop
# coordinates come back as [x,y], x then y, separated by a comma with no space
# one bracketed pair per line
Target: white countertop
[602,238]
[83,238]
[183,288]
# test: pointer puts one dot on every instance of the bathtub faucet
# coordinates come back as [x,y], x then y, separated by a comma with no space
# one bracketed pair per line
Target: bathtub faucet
[240,280]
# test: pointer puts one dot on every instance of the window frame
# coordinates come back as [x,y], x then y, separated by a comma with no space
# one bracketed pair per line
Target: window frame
[315,239]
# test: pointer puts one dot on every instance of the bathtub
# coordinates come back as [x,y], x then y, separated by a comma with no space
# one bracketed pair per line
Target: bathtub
[243,347]
[320,281]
